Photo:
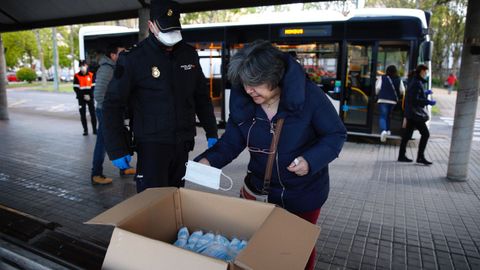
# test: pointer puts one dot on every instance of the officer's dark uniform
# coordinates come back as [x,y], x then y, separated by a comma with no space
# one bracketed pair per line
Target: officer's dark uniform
[163,90]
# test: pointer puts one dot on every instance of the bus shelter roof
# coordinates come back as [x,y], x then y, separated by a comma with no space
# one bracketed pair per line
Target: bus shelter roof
[28,14]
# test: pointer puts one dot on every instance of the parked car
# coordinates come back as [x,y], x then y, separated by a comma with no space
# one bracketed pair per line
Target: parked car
[12,77]
[66,77]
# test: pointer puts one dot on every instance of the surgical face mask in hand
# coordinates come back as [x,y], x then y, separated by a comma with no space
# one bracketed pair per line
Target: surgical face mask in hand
[169,38]
[205,175]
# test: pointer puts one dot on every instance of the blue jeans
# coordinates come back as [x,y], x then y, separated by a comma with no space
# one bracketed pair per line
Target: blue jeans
[384,120]
[99,152]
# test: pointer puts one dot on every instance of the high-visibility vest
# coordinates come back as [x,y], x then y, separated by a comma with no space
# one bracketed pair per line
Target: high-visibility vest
[85,82]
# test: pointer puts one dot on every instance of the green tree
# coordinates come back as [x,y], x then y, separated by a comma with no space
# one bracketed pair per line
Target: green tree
[21,48]
[447,26]
[215,16]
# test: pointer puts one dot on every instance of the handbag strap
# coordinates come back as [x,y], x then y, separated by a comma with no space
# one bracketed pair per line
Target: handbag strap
[393,87]
[271,157]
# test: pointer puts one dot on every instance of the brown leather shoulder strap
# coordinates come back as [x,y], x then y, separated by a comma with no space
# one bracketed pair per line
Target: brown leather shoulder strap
[272,155]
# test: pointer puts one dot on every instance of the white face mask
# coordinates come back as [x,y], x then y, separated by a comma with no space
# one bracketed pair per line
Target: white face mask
[169,38]
[83,69]
[205,175]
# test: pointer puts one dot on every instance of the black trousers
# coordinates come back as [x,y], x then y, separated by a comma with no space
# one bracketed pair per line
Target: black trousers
[161,165]
[82,104]
[408,131]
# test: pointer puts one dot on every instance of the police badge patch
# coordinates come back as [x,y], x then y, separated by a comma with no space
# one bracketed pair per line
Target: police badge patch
[155,72]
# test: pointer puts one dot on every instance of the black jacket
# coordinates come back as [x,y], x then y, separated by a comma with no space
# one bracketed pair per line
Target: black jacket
[163,90]
[416,100]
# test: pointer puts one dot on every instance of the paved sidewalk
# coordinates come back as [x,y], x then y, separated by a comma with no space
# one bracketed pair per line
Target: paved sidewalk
[381,214]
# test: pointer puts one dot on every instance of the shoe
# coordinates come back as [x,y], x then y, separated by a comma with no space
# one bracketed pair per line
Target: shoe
[85,133]
[101,180]
[424,161]
[129,171]
[383,136]
[404,159]
[389,132]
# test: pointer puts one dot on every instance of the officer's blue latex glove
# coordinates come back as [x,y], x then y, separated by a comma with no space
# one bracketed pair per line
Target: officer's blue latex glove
[432,102]
[211,142]
[428,92]
[123,162]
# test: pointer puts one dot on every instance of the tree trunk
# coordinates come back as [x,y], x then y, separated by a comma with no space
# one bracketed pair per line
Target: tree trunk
[55,60]
[40,56]
[467,97]
[72,50]
[3,90]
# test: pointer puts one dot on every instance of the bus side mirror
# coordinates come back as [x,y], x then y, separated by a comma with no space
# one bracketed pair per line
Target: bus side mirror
[427,49]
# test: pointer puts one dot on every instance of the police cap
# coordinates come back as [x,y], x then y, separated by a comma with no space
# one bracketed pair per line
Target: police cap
[166,14]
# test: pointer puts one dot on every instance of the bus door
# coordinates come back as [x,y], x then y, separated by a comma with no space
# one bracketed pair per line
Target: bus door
[396,53]
[359,88]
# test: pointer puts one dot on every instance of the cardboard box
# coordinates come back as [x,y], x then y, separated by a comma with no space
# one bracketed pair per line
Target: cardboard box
[146,225]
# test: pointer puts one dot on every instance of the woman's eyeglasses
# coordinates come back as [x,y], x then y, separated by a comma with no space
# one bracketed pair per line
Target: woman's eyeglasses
[256,149]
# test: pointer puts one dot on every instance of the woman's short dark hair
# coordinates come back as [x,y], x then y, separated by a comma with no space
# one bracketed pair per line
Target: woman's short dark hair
[419,69]
[258,63]
[392,71]
[113,48]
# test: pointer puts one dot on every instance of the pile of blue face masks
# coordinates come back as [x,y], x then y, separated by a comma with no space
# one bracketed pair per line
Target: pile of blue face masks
[209,244]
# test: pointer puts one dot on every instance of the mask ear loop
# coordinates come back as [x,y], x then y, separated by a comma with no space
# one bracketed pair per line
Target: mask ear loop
[231,183]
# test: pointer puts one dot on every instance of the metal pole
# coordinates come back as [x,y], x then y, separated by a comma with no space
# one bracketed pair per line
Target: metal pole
[467,97]
[143,17]
[3,90]
[55,60]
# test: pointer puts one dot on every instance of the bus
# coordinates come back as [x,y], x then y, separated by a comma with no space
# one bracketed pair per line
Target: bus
[343,55]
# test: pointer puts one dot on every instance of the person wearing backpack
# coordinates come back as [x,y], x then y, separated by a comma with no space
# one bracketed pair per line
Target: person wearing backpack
[389,88]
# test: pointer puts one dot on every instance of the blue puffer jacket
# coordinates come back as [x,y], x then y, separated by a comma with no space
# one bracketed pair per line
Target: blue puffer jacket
[312,129]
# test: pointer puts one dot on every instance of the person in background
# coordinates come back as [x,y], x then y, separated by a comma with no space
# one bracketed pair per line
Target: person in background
[416,115]
[268,85]
[161,82]
[389,89]
[102,78]
[451,80]
[83,85]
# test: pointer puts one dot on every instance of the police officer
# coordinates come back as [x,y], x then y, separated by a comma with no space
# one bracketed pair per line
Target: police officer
[162,83]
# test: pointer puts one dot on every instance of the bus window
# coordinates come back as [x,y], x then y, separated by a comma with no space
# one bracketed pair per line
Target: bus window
[396,55]
[319,61]
[358,84]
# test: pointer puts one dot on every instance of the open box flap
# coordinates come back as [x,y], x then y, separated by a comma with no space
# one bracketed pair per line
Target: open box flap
[115,215]
[283,242]
[132,251]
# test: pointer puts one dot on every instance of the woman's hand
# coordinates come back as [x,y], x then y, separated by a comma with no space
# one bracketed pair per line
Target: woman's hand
[299,166]
[204,161]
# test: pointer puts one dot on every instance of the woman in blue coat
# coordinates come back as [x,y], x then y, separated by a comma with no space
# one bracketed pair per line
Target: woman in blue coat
[267,85]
